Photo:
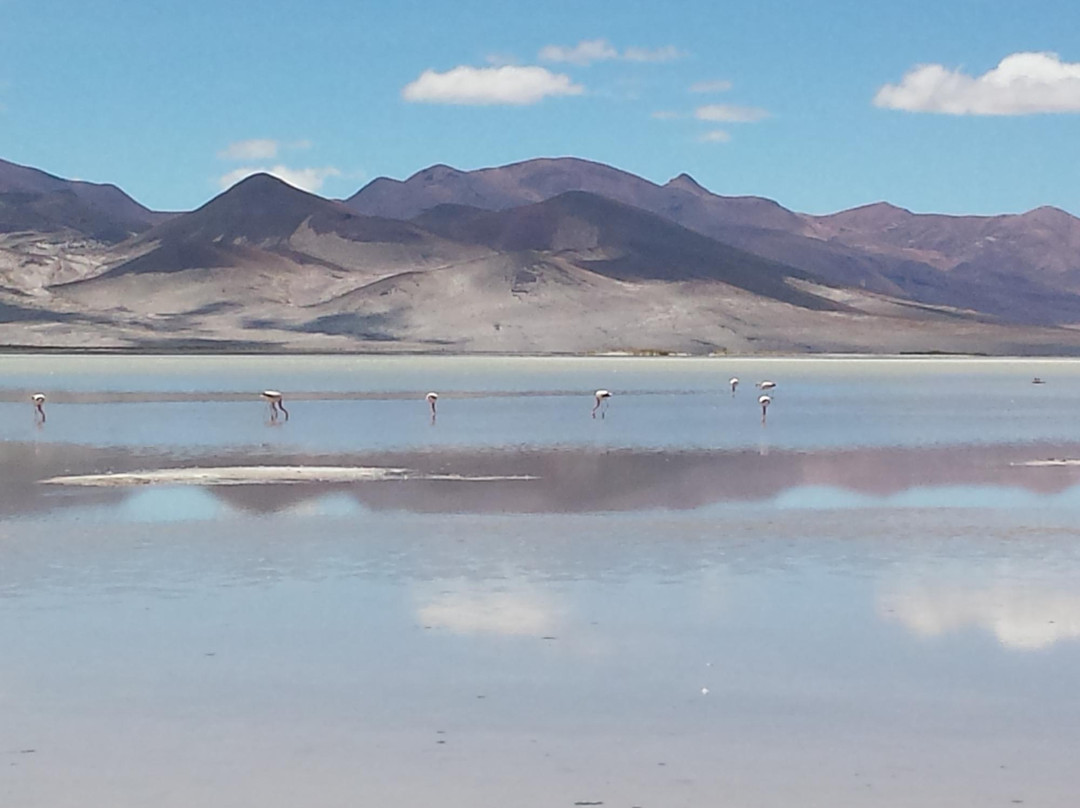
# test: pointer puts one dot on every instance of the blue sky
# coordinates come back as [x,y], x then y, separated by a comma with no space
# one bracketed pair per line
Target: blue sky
[171,100]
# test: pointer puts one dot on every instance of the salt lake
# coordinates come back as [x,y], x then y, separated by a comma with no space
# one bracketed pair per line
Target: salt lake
[868,600]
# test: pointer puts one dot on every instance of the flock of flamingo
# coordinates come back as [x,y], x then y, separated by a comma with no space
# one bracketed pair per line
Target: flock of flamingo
[277,407]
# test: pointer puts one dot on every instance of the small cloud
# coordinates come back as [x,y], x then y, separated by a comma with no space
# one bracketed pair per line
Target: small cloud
[729,113]
[306,179]
[665,115]
[1021,84]
[668,53]
[583,53]
[715,136]
[588,51]
[255,149]
[486,86]
[714,86]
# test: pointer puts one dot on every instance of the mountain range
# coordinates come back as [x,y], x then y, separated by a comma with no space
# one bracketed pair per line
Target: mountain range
[547,255]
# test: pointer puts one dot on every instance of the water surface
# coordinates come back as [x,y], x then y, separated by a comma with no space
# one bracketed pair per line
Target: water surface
[866,601]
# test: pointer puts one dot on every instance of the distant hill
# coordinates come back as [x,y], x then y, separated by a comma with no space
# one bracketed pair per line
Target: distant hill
[31,200]
[681,200]
[1029,272]
[1046,239]
[619,241]
[554,255]
[264,214]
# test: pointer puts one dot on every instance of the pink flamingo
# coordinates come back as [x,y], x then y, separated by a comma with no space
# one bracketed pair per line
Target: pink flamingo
[764,401]
[274,397]
[601,398]
[431,398]
[39,406]
[734,382]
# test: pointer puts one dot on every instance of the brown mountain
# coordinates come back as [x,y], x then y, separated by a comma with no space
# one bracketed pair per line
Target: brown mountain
[266,256]
[253,266]
[681,199]
[266,266]
[263,215]
[31,200]
[1022,269]
[620,241]
[1039,249]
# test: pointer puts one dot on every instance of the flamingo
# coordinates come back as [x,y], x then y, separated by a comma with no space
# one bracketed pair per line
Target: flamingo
[764,401]
[734,382]
[766,385]
[274,398]
[39,405]
[601,397]
[431,399]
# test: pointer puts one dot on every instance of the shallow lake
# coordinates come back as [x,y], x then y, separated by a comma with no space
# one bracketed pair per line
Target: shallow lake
[870,599]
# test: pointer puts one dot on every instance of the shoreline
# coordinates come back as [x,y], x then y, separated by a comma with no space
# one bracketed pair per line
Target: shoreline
[216,352]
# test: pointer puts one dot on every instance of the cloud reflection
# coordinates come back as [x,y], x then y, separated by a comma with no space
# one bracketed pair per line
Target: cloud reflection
[1022,615]
[466,607]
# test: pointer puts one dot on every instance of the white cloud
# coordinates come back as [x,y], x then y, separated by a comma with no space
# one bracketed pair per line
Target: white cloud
[483,86]
[714,86]
[1021,84]
[255,149]
[667,53]
[583,53]
[729,113]
[306,179]
[715,136]
[588,51]
[260,149]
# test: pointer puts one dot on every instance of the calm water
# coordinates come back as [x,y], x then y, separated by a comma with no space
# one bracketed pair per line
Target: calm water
[867,601]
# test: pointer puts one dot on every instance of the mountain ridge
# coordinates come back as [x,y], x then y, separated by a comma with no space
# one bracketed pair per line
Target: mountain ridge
[555,254]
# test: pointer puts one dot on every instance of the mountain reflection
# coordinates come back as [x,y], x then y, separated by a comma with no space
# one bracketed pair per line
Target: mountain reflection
[580,481]
[570,480]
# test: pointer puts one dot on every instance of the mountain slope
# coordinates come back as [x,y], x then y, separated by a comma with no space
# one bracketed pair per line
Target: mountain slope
[1045,240]
[257,249]
[1022,269]
[33,200]
[262,214]
[619,241]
